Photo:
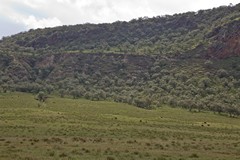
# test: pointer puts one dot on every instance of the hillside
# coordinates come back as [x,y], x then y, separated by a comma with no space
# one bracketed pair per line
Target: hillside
[189,60]
[163,35]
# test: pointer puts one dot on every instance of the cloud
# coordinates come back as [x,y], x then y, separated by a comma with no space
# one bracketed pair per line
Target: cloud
[31,22]
[100,11]
[34,3]
[28,14]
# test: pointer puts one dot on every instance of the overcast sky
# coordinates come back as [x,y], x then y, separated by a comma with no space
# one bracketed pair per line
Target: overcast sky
[22,15]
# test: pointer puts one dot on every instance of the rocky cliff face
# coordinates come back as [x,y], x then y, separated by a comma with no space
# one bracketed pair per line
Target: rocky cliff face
[225,41]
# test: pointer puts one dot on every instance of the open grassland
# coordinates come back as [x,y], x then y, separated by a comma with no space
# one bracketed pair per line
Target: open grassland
[81,129]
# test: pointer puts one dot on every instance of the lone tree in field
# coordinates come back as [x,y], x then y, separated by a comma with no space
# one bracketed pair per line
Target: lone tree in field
[41,97]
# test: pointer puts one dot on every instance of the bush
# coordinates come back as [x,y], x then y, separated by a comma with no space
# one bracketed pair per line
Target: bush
[142,102]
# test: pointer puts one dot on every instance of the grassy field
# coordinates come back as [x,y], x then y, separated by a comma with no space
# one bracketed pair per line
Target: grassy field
[81,129]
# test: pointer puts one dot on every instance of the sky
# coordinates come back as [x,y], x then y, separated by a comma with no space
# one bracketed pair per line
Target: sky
[21,15]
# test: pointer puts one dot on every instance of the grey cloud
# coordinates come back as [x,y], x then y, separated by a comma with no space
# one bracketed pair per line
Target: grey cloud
[23,9]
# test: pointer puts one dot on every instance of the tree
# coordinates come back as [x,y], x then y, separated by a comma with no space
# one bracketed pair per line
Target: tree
[41,96]
[222,73]
[62,93]
[5,88]
[217,107]
[142,102]
[208,64]
[232,111]
[75,93]
[78,92]
[204,83]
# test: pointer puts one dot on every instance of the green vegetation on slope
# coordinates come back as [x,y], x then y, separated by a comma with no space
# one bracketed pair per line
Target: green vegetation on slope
[144,81]
[188,60]
[83,129]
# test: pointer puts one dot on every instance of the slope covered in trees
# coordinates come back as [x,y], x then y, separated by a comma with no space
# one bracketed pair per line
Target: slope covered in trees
[189,60]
